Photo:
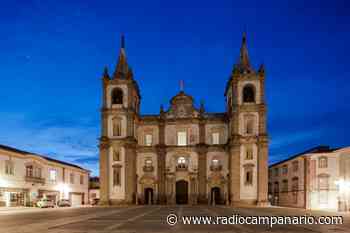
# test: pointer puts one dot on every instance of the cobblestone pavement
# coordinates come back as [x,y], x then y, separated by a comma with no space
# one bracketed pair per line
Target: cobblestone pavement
[153,219]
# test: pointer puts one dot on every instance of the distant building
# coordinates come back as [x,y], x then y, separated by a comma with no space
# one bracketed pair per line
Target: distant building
[94,190]
[26,177]
[184,154]
[318,178]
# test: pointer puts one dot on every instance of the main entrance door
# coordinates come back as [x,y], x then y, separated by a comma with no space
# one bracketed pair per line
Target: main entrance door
[215,195]
[148,196]
[181,192]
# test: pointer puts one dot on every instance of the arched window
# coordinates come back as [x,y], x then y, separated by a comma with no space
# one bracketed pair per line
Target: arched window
[117,126]
[215,165]
[117,96]
[249,94]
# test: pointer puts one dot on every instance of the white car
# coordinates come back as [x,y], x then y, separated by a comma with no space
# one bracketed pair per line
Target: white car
[45,203]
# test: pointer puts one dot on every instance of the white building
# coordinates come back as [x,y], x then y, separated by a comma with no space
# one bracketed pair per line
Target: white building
[26,177]
[318,178]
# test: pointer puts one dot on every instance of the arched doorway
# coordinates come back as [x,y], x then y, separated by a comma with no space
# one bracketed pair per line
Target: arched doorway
[181,192]
[148,196]
[215,195]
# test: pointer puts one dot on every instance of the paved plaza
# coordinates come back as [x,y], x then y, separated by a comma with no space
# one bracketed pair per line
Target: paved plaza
[151,219]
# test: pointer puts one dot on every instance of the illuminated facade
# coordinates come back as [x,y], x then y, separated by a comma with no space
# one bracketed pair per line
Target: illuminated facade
[184,155]
[26,177]
[315,179]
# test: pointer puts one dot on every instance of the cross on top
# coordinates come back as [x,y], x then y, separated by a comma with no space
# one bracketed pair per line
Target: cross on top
[182,84]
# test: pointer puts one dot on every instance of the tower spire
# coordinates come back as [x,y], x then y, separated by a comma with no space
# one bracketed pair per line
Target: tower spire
[243,65]
[122,68]
[243,56]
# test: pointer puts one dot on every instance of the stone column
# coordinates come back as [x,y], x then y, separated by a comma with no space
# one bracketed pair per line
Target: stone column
[130,172]
[104,172]
[235,173]
[262,171]
[202,174]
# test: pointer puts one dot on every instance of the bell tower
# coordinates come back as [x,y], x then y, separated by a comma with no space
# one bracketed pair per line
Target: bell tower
[119,114]
[248,139]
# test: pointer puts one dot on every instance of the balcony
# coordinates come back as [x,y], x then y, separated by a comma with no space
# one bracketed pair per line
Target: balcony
[181,168]
[32,179]
[148,168]
[215,168]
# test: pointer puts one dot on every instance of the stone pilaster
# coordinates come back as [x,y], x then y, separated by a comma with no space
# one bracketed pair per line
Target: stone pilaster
[130,172]
[161,154]
[104,172]
[202,174]
[262,171]
[306,183]
[235,173]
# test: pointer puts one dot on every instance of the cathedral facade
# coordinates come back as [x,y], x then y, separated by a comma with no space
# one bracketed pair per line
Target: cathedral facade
[184,154]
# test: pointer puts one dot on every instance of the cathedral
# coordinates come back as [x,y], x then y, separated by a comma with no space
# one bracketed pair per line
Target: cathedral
[184,154]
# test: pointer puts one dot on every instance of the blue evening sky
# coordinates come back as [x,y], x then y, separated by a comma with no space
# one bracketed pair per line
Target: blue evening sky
[52,55]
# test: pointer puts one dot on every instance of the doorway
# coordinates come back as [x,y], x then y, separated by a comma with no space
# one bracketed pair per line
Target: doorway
[215,196]
[148,196]
[181,192]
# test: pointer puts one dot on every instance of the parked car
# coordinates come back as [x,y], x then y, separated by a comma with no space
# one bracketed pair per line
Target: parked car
[45,203]
[64,203]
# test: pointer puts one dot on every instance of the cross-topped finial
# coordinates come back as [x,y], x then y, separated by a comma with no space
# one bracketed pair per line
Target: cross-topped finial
[122,42]
[182,84]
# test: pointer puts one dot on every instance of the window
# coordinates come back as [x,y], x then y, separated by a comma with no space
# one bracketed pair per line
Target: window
[322,162]
[181,138]
[116,155]
[215,162]
[249,178]
[295,184]
[38,172]
[285,186]
[9,168]
[295,189]
[323,182]
[249,153]
[248,174]
[81,179]
[276,171]
[249,124]
[52,175]
[29,171]
[295,165]
[117,96]
[117,126]
[71,178]
[276,187]
[148,163]
[216,138]
[181,163]
[148,139]
[116,176]
[248,94]
[285,169]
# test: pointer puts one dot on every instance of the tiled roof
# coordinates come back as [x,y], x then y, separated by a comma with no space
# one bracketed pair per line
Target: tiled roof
[8,148]
[317,149]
